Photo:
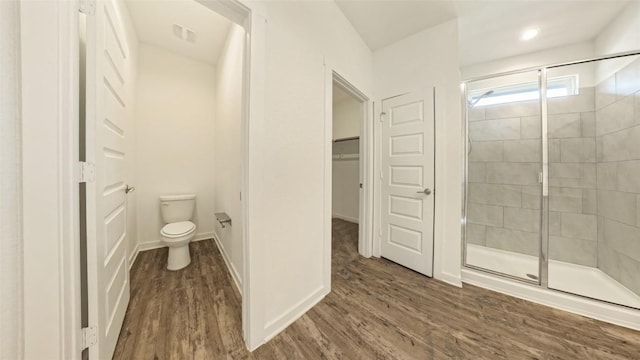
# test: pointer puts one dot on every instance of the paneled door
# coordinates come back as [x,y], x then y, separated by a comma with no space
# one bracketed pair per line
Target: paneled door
[107,263]
[407,180]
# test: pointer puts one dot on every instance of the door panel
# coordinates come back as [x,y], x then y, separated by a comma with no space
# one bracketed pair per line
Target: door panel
[106,204]
[408,169]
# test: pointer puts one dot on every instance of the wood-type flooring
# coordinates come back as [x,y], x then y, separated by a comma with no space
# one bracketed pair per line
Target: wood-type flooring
[376,310]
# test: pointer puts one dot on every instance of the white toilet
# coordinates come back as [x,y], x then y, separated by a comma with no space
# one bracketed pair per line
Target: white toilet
[177,211]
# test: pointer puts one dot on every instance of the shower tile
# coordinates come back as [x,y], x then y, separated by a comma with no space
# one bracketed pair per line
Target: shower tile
[477,172]
[554,150]
[565,171]
[616,116]
[579,226]
[501,129]
[486,151]
[585,179]
[637,107]
[564,125]
[608,176]
[578,150]
[522,151]
[598,149]
[617,206]
[493,194]
[555,223]
[628,79]
[513,240]
[606,92]
[637,210]
[574,251]
[622,238]
[522,219]
[476,113]
[608,261]
[629,176]
[621,145]
[485,214]
[517,109]
[589,201]
[513,173]
[530,127]
[588,124]
[584,101]
[565,199]
[531,197]
[629,270]
[476,234]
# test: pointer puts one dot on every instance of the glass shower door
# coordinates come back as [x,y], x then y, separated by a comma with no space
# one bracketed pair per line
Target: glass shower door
[503,198]
[594,179]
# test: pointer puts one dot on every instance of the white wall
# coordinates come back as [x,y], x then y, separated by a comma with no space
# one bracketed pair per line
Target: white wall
[426,59]
[287,155]
[11,241]
[228,150]
[346,118]
[175,138]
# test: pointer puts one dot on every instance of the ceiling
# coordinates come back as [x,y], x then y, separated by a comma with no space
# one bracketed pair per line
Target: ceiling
[488,29]
[154,22]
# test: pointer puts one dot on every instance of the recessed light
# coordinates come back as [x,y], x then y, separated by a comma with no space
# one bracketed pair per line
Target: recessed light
[530,34]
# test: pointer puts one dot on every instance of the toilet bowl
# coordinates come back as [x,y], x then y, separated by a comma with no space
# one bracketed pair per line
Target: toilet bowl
[177,237]
[177,212]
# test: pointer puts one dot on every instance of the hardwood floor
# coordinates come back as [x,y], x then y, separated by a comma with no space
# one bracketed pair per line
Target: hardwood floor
[376,310]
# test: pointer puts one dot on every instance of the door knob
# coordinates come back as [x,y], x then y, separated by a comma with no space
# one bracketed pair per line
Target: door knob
[129,189]
[426,191]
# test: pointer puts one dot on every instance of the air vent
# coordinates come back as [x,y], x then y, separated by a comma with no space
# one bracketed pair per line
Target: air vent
[184,33]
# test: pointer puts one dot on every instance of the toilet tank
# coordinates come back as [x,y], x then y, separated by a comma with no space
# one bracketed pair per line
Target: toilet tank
[176,208]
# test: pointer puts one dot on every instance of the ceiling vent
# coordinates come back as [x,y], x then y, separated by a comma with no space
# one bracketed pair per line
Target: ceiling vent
[184,33]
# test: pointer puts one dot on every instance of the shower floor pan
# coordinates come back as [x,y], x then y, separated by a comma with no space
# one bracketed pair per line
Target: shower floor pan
[577,279]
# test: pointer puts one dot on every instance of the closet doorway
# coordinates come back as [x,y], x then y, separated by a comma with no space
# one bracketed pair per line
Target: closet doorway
[349,188]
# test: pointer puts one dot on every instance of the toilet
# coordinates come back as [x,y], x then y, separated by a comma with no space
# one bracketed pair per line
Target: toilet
[177,213]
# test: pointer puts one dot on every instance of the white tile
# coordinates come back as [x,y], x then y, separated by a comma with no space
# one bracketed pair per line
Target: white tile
[588,124]
[484,214]
[531,197]
[572,250]
[579,226]
[522,219]
[523,150]
[589,201]
[493,194]
[477,172]
[530,127]
[616,116]
[622,238]
[513,173]
[476,113]
[501,129]
[629,176]
[578,150]
[565,199]
[476,234]
[564,125]
[486,151]
[555,223]
[608,176]
[617,206]
[513,240]
[621,145]
[606,92]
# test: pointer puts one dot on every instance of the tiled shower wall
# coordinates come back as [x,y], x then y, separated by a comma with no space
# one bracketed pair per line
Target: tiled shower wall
[618,172]
[504,194]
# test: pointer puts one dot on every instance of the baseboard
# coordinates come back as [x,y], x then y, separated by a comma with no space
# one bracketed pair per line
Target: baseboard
[346,218]
[134,256]
[232,269]
[156,244]
[594,309]
[274,327]
[448,278]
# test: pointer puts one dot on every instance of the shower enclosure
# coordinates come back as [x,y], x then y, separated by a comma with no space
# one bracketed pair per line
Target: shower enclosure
[552,177]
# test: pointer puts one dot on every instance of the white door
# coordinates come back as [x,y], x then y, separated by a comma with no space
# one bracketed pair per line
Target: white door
[407,180]
[107,264]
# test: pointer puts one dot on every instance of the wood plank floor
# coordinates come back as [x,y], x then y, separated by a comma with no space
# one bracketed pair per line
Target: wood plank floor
[376,310]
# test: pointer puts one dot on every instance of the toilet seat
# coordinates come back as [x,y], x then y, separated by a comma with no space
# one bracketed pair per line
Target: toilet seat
[178,229]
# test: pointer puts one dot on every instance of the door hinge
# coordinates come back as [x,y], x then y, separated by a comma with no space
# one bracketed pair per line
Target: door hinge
[89,337]
[87,172]
[540,177]
[382,114]
[381,175]
[87,7]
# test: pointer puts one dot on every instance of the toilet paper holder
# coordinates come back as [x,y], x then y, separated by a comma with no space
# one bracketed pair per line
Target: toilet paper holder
[223,218]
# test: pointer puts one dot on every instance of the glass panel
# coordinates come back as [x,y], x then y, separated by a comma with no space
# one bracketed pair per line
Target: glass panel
[594,182]
[504,161]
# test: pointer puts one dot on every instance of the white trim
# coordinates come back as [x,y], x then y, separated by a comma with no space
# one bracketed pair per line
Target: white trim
[156,244]
[134,256]
[289,316]
[345,218]
[232,269]
[594,309]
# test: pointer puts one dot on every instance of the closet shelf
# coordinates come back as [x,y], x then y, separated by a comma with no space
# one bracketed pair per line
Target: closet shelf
[347,139]
[346,156]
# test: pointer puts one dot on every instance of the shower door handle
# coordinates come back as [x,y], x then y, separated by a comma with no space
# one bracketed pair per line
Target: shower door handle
[426,191]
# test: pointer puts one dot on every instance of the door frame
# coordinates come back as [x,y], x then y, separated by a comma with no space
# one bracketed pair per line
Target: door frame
[365,223]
